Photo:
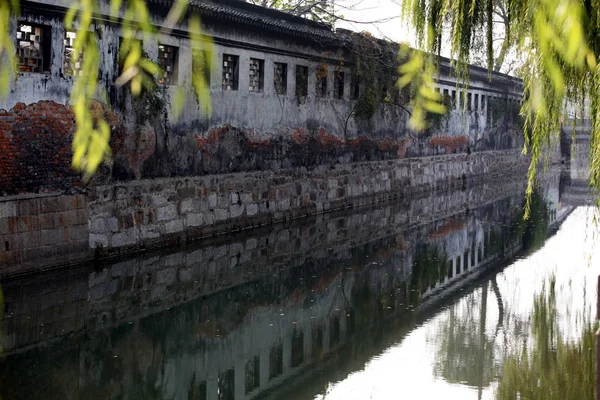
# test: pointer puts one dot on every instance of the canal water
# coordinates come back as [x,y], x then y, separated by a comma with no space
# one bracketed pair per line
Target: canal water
[425,298]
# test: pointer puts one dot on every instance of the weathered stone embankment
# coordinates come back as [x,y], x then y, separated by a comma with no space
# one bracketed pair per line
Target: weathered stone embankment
[121,218]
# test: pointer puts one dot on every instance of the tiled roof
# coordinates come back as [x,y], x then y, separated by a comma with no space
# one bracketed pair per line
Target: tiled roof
[247,14]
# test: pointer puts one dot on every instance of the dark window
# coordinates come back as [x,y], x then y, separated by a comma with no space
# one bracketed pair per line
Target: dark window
[280,78]
[466,259]
[476,102]
[317,343]
[168,58]
[252,374]
[226,385]
[197,392]
[257,75]
[480,254]
[473,257]
[450,269]
[71,66]
[469,106]
[334,331]
[231,72]
[297,348]
[338,86]
[321,74]
[201,65]
[355,87]
[458,266]
[34,47]
[454,98]
[301,81]
[350,322]
[482,102]
[276,361]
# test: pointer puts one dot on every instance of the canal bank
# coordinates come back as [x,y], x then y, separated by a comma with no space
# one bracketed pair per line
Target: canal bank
[52,230]
[256,315]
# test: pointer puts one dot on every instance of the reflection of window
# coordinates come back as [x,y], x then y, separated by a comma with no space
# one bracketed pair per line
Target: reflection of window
[466,259]
[276,361]
[350,322]
[317,342]
[338,86]
[71,66]
[257,75]
[231,73]
[280,78]
[334,331]
[167,61]
[252,374]
[226,385]
[297,348]
[301,81]
[450,270]
[33,48]
[201,65]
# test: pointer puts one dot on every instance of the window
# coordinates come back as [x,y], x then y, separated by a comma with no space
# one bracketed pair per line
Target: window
[280,78]
[476,102]
[252,374]
[334,331]
[226,385]
[71,66]
[297,348]
[34,44]
[168,58]
[482,104]
[450,269]
[276,361]
[301,81]
[454,98]
[201,65]
[338,86]
[355,87]
[231,73]
[466,259]
[469,107]
[257,75]
[321,73]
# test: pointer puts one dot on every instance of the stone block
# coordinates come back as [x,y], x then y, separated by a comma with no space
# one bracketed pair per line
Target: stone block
[149,233]
[8,209]
[53,236]
[236,210]
[221,214]
[159,200]
[78,232]
[235,198]
[98,277]
[125,238]
[212,200]
[209,218]
[186,206]
[166,213]
[104,225]
[174,226]
[251,210]
[166,276]
[283,205]
[194,219]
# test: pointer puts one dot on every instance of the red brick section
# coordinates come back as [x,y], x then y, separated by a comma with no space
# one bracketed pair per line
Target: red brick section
[35,148]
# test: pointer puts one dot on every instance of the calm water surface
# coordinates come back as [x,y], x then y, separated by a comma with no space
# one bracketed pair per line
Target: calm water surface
[423,299]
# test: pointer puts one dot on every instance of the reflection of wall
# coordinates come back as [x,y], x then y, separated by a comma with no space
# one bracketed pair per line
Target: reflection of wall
[250,314]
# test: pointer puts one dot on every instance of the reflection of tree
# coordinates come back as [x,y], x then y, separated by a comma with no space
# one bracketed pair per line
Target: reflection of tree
[534,231]
[465,353]
[553,369]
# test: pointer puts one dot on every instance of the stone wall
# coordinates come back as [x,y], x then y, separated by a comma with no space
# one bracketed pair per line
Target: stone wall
[138,215]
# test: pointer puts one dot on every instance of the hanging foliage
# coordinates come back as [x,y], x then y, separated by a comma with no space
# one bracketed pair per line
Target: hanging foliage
[560,42]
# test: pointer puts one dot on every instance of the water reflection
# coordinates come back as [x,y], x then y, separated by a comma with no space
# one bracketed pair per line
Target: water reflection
[298,311]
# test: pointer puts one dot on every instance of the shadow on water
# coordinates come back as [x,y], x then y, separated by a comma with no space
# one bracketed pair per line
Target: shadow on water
[278,314]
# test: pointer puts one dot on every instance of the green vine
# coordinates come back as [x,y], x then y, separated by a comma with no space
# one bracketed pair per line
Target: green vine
[375,67]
